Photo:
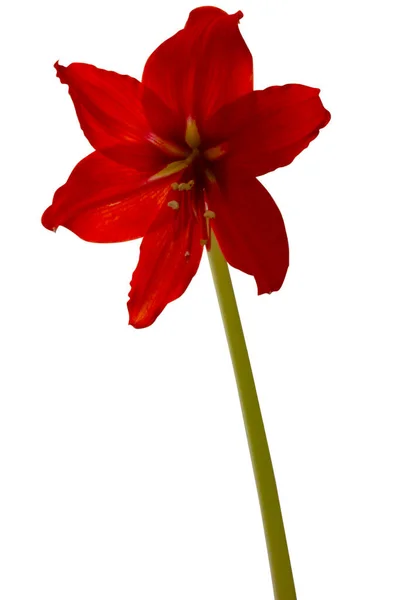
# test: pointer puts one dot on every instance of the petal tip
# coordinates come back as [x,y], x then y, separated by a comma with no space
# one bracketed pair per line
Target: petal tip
[203,15]
[137,320]
[47,220]
[274,282]
[136,324]
[262,288]
[267,289]
[327,118]
[60,70]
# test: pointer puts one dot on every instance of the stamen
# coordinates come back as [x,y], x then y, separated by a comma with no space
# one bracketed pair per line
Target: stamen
[174,204]
[209,214]
[203,242]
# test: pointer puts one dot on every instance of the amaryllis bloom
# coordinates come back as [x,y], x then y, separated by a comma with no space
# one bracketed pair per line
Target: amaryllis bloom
[179,154]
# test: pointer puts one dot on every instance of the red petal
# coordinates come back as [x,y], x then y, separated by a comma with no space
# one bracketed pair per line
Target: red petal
[203,66]
[117,114]
[165,268]
[267,129]
[103,201]
[250,231]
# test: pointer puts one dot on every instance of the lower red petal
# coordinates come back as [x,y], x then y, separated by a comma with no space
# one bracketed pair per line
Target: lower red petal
[170,254]
[250,230]
[103,201]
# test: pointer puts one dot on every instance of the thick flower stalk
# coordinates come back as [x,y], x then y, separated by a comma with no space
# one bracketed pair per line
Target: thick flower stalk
[179,154]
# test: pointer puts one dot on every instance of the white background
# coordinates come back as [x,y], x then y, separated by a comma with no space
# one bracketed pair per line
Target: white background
[123,461]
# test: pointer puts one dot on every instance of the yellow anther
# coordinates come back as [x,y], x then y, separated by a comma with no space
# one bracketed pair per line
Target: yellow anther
[192,136]
[174,204]
[209,214]
[203,242]
[182,187]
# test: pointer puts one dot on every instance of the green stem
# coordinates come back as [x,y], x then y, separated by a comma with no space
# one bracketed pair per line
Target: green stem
[280,566]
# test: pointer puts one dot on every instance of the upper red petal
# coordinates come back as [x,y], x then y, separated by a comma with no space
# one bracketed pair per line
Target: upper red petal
[267,129]
[250,231]
[170,254]
[203,66]
[118,114]
[103,201]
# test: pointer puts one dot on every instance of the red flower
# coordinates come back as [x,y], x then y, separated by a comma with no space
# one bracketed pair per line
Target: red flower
[179,153]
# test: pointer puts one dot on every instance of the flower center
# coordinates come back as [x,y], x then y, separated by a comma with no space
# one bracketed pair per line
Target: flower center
[195,160]
[187,198]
